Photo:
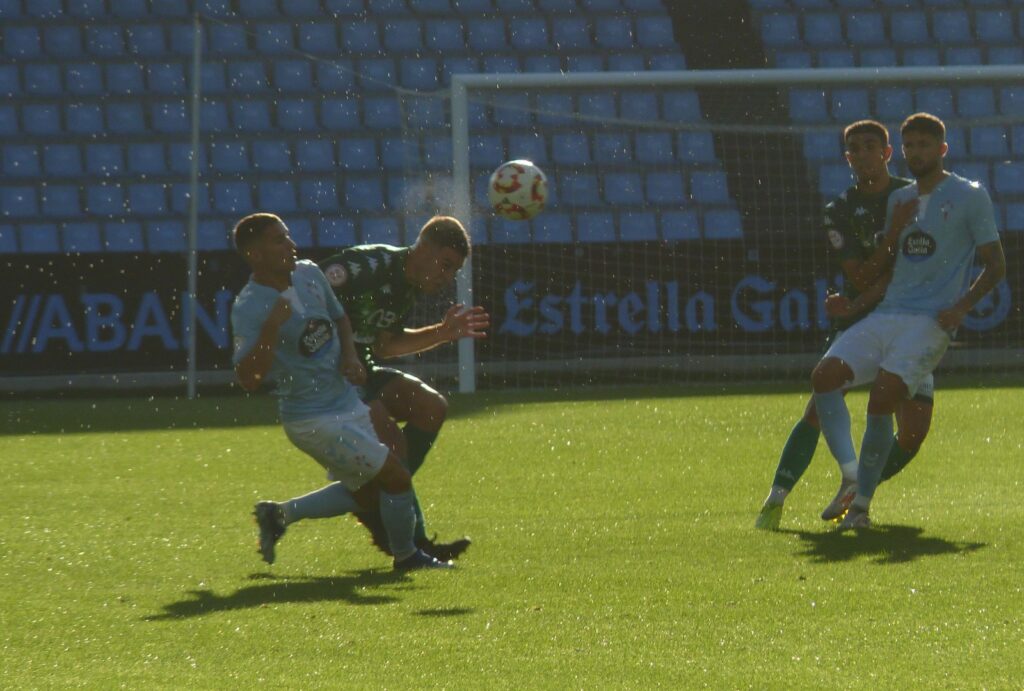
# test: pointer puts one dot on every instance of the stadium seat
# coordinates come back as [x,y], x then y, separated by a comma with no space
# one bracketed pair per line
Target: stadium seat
[147,199]
[1017,137]
[529,34]
[125,78]
[335,76]
[88,9]
[511,110]
[654,147]
[62,160]
[182,39]
[807,105]
[588,62]
[430,6]
[994,26]
[212,79]
[638,226]
[358,154]
[166,236]
[129,9]
[836,58]
[532,147]
[979,172]
[427,113]
[42,80]
[976,102]
[878,57]
[125,236]
[571,33]
[594,226]
[951,26]
[1005,55]
[446,36]
[22,42]
[963,55]
[170,8]
[909,28]
[552,227]
[654,32]
[277,196]
[382,113]
[83,79]
[849,104]
[247,116]
[42,238]
[709,187]
[246,76]
[61,201]
[514,6]
[227,39]
[1011,101]
[486,151]
[293,75]
[486,35]
[270,156]
[990,142]
[600,105]
[821,146]
[640,106]
[18,202]
[833,179]
[613,32]
[274,39]
[400,154]
[623,189]
[823,30]
[696,147]
[793,59]
[336,232]
[467,64]
[657,62]
[893,103]
[104,159]
[570,149]
[229,157]
[296,115]
[780,31]
[382,230]
[723,224]
[419,74]
[104,200]
[866,29]
[8,239]
[213,234]
[104,41]
[340,114]
[613,147]
[81,118]
[21,161]
[232,197]
[665,189]
[125,118]
[314,156]
[81,237]
[364,193]
[147,40]
[63,41]
[935,100]
[166,78]
[497,64]
[318,38]
[579,189]
[170,118]
[181,198]
[437,152]
[921,57]
[146,159]
[681,106]
[377,74]
[680,225]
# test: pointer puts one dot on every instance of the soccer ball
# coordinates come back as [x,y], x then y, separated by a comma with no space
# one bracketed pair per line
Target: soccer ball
[517,190]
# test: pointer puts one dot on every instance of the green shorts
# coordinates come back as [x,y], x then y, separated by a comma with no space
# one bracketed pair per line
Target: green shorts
[376,379]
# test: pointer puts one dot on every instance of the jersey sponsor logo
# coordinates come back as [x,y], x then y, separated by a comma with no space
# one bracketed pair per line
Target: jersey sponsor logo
[317,334]
[836,238]
[336,275]
[918,246]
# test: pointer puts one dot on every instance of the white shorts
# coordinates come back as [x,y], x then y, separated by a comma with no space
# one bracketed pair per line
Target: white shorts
[345,444]
[908,345]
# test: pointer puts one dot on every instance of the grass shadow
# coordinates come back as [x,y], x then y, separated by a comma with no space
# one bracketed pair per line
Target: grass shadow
[445,612]
[273,590]
[884,544]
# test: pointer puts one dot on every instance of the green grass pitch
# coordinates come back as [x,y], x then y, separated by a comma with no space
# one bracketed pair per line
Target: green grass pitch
[613,547]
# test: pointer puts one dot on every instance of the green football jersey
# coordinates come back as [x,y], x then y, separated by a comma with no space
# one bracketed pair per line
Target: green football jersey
[369,280]
[855,223]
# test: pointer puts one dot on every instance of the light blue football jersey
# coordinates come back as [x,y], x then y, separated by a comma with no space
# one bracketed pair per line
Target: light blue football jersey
[308,352]
[935,253]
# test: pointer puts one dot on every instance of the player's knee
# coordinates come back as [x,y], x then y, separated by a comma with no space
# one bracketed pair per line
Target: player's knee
[829,375]
[393,477]
[431,411]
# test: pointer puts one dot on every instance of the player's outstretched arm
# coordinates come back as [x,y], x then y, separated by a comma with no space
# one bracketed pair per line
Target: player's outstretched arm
[253,368]
[351,367]
[993,270]
[459,322]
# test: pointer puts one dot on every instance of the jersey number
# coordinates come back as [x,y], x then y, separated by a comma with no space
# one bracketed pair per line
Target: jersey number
[381,319]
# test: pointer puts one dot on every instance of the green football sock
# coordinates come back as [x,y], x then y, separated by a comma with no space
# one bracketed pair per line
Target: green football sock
[420,534]
[796,455]
[897,461]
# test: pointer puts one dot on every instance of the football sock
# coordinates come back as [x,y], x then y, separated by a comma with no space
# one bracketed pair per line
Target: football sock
[834,417]
[777,495]
[897,461]
[419,442]
[874,451]
[396,511]
[332,500]
[420,534]
[796,456]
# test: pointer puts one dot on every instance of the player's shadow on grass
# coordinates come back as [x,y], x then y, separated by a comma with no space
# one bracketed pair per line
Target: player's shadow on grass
[283,590]
[886,544]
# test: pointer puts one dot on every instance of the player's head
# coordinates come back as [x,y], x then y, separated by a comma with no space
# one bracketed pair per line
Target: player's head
[263,241]
[867,149]
[440,251]
[924,143]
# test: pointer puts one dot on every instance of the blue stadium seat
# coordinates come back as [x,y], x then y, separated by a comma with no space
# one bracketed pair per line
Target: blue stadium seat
[1005,55]
[1017,135]
[833,179]
[613,147]
[181,198]
[342,8]
[125,236]
[125,78]
[293,75]
[680,225]
[842,57]
[850,104]
[360,37]
[364,193]
[614,32]
[212,79]
[878,57]
[446,36]
[1011,100]
[129,9]
[654,32]
[384,7]
[654,147]
[40,118]
[723,224]
[18,202]
[274,39]
[696,147]
[147,159]
[381,230]
[793,59]
[301,230]
[570,149]
[247,76]
[437,152]
[249,116]
[318,38]
[558,6]
[951,26]
[359,154]
[62,160]
[22,42]
[104,200]
[166,236]
[976,101]
[866,29]
[40,238]
[665,189]
[277,196]
[641,106]
[225,39]
[601,104]
[125,118]
[532,147]
[104,41]
[83,79]
[166,78]
[400,154]
[514,6]
[258,8]
[709,187]
[403,193]
[335,76]
[21,160]
[419,74]
[170,117]
[806,105]
[430,6]
[269,156]
[83,118]
[314,155]
[1015,217]
[458,65]
[229,157]
[382,113]
[147,40]
[377,74]
[638,226]
[512,110]
[485,151]
[213,234]
[994,26]
[548,228]
[571,33]
[780,31]
[623,189]
[588,62]
[403,35]
[579,189]
[935,100]
[893,103]
[644,5]
[990,142]
[63,41]
[681,106]
[595,226]
[909,28]
[232,197]
[89,9]
[821,146]
[81,237]
[61,201]
[182,38]
[301,8]
[147,199]
[812,4]
[170,8]
[529,34]
[823,30]
[426,113]
[494,64]
[963,55]
[296,115]
[336,232]
[921,57]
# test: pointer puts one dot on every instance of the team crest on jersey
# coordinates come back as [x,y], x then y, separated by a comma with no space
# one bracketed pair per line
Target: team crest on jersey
[317,334]
[918,246]
[836,238]
[336,275]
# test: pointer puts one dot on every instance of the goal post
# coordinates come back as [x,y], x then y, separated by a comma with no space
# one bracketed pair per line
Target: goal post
[716,266]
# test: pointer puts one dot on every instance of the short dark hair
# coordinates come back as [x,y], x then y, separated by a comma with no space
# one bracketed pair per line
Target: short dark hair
[249,229]
[867,127]
[924,123]
[446,231]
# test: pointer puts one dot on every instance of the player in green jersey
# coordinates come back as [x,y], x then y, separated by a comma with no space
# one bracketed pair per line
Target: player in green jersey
[855,225]
[378,286]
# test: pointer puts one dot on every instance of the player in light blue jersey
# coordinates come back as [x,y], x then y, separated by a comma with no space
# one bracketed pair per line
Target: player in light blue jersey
[288,326]
[938,225]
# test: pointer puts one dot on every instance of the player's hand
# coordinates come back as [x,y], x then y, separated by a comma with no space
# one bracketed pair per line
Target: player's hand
[902,214]
[951,318]
[280,312]
[462,322]
[353,370]
[838,306]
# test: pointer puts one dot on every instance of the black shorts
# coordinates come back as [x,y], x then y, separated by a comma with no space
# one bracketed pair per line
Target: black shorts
[376,379]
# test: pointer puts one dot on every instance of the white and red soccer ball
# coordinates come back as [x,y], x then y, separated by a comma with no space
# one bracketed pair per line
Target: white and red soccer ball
[517,190]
